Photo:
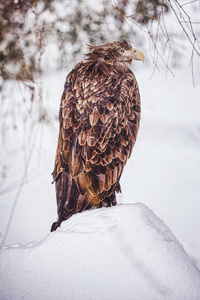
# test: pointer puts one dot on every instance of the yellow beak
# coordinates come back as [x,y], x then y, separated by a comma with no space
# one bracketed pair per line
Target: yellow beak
[137,55]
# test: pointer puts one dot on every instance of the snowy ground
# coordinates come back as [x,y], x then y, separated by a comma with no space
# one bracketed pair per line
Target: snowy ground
[163,173]
[123,252]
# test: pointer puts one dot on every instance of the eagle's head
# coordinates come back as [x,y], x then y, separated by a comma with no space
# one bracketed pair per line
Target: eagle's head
[113,53]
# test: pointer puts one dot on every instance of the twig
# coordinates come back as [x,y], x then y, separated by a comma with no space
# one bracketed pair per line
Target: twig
[153,39]
[19,192]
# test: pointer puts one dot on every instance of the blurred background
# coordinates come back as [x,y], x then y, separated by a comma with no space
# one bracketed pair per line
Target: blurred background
[40,41]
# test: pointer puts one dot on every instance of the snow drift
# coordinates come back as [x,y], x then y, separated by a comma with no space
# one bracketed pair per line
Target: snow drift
[123,252]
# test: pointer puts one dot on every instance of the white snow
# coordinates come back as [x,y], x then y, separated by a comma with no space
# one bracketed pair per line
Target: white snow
[123,252]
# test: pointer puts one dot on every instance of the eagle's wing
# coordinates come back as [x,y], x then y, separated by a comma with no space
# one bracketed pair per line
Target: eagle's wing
[99,120]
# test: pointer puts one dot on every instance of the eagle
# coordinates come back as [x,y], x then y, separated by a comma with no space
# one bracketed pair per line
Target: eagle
[99,121]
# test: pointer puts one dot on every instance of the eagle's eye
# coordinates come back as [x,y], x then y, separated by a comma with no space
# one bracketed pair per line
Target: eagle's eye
[121,51]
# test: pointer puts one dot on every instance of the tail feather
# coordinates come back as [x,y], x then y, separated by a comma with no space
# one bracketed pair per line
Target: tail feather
[67,197]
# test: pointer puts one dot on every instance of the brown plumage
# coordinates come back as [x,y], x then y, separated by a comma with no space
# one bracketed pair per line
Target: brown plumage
[99,120]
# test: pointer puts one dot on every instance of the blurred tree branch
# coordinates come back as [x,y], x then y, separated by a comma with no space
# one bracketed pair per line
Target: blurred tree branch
[151,15]
[28,27]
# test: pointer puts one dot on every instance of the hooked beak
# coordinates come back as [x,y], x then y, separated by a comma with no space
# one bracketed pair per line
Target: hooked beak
[137,55]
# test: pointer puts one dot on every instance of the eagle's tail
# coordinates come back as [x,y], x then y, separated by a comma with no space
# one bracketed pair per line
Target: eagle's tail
[68,198]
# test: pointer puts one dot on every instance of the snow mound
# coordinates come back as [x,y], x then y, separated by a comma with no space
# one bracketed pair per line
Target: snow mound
[123,252]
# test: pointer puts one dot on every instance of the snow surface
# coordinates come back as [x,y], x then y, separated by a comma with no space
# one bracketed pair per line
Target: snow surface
[123,252]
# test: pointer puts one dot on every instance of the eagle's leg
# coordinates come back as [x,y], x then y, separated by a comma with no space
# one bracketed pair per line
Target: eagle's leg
[110,201]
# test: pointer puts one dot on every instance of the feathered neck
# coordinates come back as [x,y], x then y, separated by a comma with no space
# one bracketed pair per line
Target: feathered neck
[99,62]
